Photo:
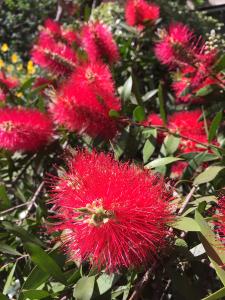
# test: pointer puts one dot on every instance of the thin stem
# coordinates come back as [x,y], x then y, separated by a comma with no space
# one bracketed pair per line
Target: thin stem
[142,283]
[188,198]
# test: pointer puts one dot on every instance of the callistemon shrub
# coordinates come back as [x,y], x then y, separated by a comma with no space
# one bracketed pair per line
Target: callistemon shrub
[112,213]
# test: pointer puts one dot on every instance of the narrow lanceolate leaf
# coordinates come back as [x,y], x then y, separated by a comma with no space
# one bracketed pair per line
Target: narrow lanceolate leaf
[3,297]
[185,224]
[213,247]
[217,295]
[139,114]
[215,125]
[162,162]
[84,288]
[126,91]
[105,282]
[45,262]
[220,64]
[161,103]
[148,150]
[35,278]
[208,175]
[35,294]
[9,280]
[4,199]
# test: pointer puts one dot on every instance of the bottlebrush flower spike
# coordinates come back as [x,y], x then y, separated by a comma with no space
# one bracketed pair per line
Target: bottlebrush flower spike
[138,12]
[7,82]
[57,57]
[99,44]
[176,45]
[112,213]
[83,104]
[187,124]
[23,129]
[53,28]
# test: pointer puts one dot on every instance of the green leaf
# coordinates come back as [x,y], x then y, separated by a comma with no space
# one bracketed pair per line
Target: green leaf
[114,114]
[148,150]
[162,162]
[4,248]
[126,90]
[161,103]
[139,114]
[217,295]
[220,64]
[215,125]
[149,95]
[170,145]
[105,282]
[213,247]
[204,91]
[4,199]
[21,233]
[185,224]
[35,278]
[208,175]
[3,297]
[9,280]
[35,294]
[45,262]
[84,288]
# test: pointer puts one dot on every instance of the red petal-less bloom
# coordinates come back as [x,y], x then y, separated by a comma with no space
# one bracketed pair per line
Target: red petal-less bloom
[186,123]
[112,213]
[138,12]
[176,45]
[177,168]
[83,104]
[99,44]
[53,28]
[57,57]
[23,129]
[8,82]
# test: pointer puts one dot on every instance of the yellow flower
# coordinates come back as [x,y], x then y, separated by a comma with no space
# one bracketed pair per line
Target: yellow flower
[5,47]
[9,68]
[2,64]
[19,95]
[19,67]
[30,67]
[14,58]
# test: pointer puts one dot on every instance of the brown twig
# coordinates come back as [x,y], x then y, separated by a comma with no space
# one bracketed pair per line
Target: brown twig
[142,283]
[187,199]
[164,129]
[32,201]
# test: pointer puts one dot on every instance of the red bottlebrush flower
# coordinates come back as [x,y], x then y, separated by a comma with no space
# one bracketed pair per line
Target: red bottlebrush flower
[177,168]
[138,12]
[186,123]
[98,42]
[112,213]
[55,56]
[176,45]
[84,102]
[2,95]
[8,82]
[70,36]
[52,27]
[23,129]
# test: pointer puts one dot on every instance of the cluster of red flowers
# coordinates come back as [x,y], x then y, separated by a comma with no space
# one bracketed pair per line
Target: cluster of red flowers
[139,13]
[24,130]
[6,84]
[187,124]
[112,213]
[54,49]
[84,102]
[179,48]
